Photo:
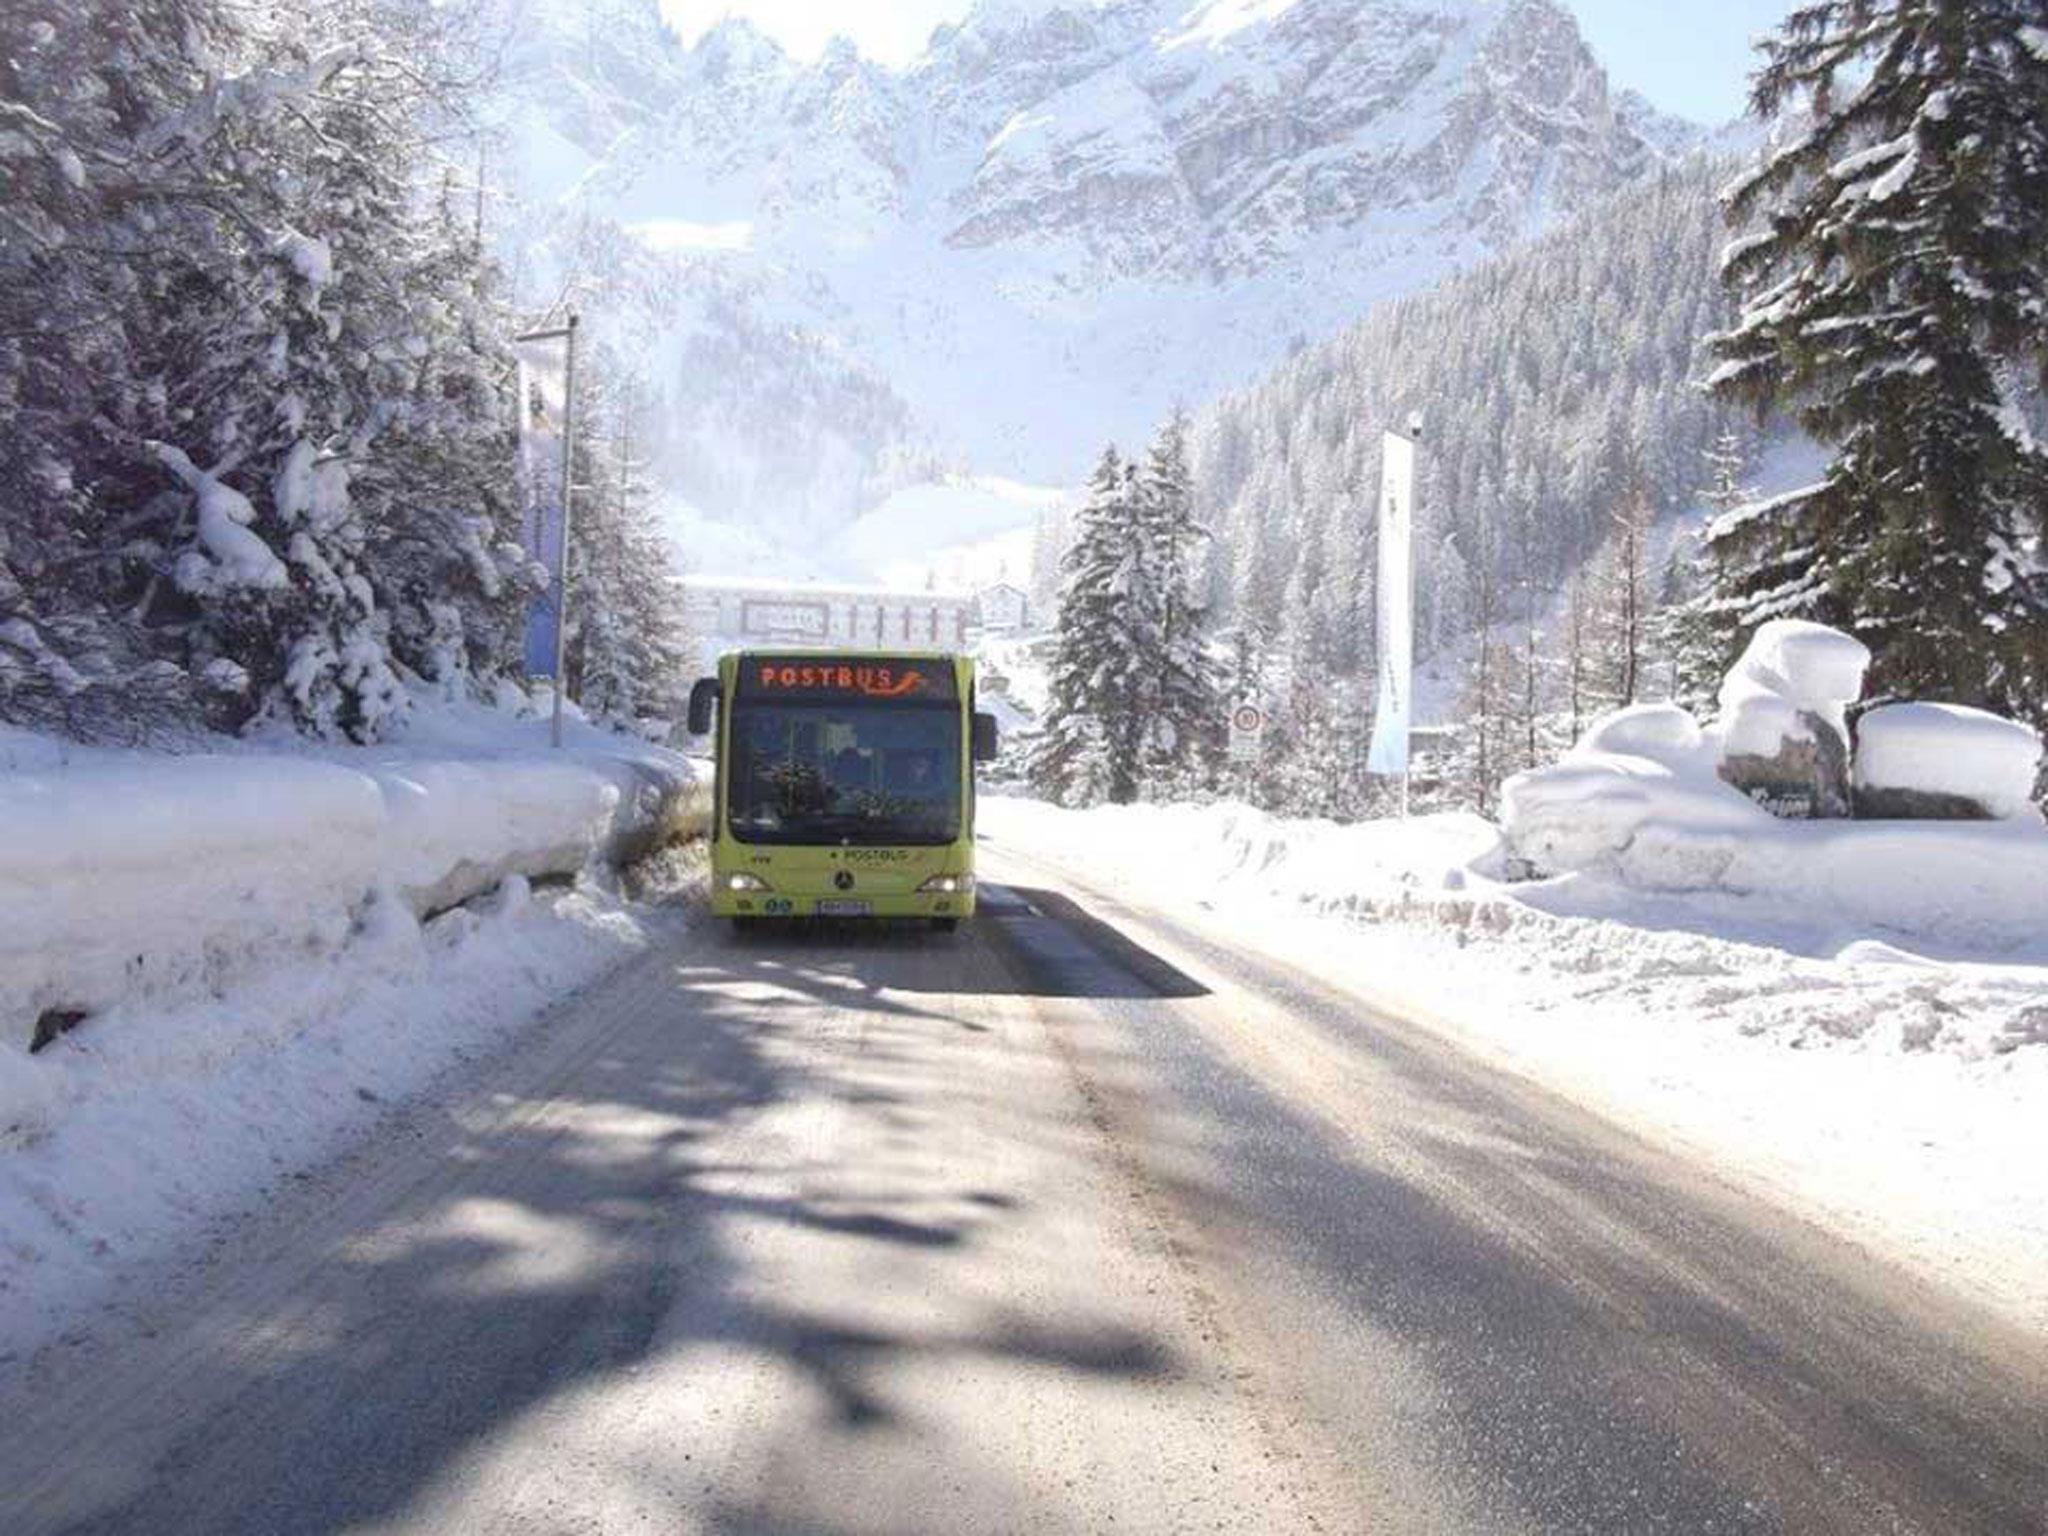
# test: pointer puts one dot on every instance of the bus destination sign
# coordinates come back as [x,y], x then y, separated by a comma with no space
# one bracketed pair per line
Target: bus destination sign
[837,679]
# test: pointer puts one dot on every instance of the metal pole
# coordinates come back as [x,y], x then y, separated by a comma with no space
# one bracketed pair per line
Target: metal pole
[562,556]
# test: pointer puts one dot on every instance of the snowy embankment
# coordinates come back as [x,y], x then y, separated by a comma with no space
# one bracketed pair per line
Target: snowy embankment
[268,947]
[125,875]
[1863,1027]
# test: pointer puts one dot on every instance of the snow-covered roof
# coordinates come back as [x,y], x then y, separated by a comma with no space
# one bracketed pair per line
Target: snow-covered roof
[769,588]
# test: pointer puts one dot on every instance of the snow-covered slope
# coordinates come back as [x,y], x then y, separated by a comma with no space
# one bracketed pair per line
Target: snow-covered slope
[1060,220]
[959,534]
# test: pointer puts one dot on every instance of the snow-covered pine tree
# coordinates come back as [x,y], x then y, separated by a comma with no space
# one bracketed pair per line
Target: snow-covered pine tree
[629,653]
[1185,706]
[1303,749]
[1246,681]
[289,372]
[1726,466]
[91,227]
[248,379]
[1896,293]
[1683,638]
[449,565]
[1087,749]
[1051,534]
[1575,668]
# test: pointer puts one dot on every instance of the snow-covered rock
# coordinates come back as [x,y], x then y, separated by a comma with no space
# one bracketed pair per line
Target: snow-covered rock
[1784,717]
[1638,796]
[1925,760]
[1810,667]
[1664,733]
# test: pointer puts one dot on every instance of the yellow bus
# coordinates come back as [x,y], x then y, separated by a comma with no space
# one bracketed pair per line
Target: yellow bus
[845,783]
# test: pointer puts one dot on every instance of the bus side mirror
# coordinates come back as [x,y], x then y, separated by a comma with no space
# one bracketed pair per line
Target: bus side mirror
[985,737]
[703,700]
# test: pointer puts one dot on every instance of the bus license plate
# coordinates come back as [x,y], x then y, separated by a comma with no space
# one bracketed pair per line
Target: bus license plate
[843,909]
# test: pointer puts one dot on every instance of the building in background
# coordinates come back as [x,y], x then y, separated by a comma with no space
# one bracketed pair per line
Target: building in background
[727,613]
[1003,609]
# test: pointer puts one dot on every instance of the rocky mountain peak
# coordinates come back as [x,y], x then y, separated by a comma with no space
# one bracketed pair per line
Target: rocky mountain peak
[1064,215]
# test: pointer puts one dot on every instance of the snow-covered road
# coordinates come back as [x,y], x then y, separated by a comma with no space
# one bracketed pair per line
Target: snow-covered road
[1083,1219]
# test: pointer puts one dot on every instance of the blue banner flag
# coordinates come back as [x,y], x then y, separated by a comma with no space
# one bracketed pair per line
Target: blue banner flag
[543,413]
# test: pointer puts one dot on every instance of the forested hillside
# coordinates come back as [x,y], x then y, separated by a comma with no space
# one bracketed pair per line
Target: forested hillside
[1562,415]
[1876,275]
[1550,384]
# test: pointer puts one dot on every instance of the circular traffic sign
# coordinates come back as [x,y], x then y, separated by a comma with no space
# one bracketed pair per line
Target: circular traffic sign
[1247,718]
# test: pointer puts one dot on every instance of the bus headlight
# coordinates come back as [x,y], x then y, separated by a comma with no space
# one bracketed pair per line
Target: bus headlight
[946,885]
[745,882]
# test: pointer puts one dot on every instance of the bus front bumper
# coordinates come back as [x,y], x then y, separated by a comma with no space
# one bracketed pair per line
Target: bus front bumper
[831,903]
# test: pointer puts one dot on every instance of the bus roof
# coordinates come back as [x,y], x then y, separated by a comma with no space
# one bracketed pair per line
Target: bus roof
[855,652]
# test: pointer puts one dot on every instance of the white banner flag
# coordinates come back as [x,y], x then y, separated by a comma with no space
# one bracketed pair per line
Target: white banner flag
[543,412]
[1389,752]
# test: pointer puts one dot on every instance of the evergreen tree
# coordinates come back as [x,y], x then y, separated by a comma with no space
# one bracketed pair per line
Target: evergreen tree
[1184,705]
[1088,748]
[628,653]
[1684,634]
[1726,466]
[1243,681]
[94,220]
[1577,668]
[1896,293]
[251,422]
[1485,723]
[1689,636]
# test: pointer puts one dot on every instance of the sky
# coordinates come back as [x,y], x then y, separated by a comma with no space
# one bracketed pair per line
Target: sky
[1690,57]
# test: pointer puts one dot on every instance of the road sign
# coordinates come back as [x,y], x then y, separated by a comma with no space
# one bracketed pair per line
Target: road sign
[1247,732]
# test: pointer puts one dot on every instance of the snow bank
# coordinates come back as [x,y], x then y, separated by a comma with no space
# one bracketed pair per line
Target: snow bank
[1949,749]
[1210,846]
[1854,1014]
[1658,819]
[128,1139]
[1639,795]
[132,874]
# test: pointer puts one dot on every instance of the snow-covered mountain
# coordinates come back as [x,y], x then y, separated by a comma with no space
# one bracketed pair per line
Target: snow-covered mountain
[1060,220]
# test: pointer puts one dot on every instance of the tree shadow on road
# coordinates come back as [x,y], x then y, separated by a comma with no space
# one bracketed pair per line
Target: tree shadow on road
[1049,946]
[570,1234]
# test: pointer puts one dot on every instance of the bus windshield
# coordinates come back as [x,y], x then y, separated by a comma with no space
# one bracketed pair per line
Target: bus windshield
[845,773]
